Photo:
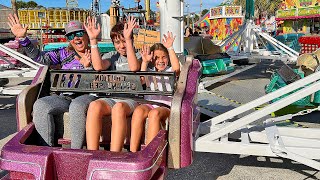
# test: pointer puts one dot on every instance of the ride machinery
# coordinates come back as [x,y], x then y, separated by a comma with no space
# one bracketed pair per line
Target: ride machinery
[235,132]
[254,42]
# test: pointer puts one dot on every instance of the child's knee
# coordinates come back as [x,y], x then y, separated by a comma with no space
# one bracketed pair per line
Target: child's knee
[140,111]
[95,107]
[154,114]
[120,107]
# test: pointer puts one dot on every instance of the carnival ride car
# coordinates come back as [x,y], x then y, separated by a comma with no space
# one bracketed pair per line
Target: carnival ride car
[232,132]
[212,60]
[25,159]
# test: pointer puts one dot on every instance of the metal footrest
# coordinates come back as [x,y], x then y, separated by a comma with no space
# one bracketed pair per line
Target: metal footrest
[287,74]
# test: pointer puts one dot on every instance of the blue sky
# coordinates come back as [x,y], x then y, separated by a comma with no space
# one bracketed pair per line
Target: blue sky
[194,4]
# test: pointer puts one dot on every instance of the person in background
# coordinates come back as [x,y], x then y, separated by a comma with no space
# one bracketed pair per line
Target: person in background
[197,31]
[188,32]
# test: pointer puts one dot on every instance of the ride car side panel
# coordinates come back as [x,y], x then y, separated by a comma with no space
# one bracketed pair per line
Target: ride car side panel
[188,107]
[175,119]
[27,97]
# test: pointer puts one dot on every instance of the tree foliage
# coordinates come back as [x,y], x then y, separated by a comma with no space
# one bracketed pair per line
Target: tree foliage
[108,12]
[262,7]
[204,12]
[23,4]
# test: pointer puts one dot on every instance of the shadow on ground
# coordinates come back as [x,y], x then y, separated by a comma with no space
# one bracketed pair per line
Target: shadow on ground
[7,117]
[225,166]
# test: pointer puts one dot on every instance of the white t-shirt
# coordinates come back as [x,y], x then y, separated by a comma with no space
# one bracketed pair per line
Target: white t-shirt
[159,98]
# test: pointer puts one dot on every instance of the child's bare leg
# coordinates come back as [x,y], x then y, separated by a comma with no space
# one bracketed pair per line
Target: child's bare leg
[97,109]
[137,126]
[119,114]
[155,117]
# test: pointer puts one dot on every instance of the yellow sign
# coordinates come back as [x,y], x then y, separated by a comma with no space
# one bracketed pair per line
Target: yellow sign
[146,37]
[309,11]
[289,4]
[286,13]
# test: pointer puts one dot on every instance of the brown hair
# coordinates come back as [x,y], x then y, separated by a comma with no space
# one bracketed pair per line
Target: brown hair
[160,47]
[117,31]
[69,48]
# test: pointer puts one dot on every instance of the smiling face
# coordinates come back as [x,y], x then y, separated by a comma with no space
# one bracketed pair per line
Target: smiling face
[160,60]
[120,45]
[80,43]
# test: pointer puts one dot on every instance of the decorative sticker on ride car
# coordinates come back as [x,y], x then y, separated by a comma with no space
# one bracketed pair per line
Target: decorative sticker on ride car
[112,82]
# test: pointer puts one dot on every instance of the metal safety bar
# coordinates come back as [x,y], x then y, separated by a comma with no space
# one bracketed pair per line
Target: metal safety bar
[22,58]
[262,100]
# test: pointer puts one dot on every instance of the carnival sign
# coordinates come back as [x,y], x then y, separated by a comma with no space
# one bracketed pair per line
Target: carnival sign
[286,13]
[216,11]
[308,11]
[233,10]
[305,3]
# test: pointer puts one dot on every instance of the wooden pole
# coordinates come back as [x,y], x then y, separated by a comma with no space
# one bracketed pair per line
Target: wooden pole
[147,4]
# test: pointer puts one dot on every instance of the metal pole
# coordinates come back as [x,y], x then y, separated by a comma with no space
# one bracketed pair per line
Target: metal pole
[200,13]
[182,27]
[192,20]
[188,21]
[171,20]
[41,42]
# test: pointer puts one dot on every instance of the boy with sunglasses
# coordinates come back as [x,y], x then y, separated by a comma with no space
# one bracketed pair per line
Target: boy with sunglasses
[48,111]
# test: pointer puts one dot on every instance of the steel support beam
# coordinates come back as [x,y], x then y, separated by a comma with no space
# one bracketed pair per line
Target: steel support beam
[171,19]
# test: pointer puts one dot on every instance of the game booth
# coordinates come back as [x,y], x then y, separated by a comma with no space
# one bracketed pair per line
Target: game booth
[300,21]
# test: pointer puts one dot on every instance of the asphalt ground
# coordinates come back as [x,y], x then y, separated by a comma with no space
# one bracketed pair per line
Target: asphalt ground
[205,165]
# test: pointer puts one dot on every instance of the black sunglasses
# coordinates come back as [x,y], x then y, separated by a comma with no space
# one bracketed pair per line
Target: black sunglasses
[72,35]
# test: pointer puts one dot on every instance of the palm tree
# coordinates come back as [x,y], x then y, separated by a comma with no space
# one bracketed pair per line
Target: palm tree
[14,6]
[268,7]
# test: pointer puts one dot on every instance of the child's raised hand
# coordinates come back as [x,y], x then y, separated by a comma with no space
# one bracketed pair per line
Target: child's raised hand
[168,40]
[146,54]
[16,27]
[128,27]
[91,29]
